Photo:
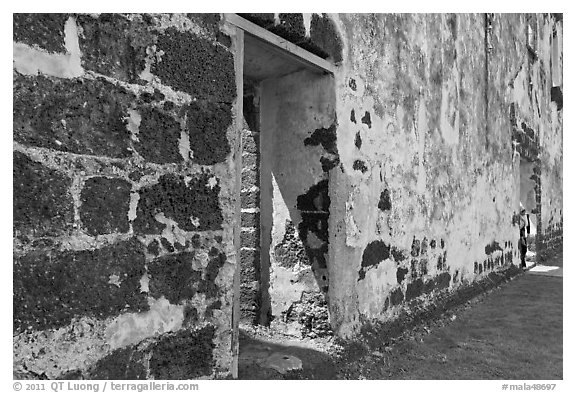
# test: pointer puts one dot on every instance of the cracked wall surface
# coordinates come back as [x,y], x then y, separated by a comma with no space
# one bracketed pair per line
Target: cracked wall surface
[124,206]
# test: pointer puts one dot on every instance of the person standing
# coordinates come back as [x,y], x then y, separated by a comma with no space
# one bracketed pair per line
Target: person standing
[524,232]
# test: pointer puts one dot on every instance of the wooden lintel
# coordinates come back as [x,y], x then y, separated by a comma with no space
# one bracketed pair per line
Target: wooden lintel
[288,48]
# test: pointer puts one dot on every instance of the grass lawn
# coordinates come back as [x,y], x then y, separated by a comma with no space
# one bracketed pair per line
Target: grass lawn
[512,332]
[515,332]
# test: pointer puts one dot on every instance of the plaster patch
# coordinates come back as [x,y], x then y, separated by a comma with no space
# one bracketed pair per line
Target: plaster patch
[171,231]
[146,74]
[133,124]
[184,147]
[53,352]
[280,213]
[286,290]
[131,328]
[201,260]
[114,280]
[307,19]
[144,283]
[213,181]
[134,198]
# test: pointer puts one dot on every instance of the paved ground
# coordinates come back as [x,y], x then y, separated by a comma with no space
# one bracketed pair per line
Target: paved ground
[513,332]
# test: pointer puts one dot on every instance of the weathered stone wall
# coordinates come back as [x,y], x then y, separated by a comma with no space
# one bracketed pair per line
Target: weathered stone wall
[125,202]
[536,120]
[430,181]
[551,122]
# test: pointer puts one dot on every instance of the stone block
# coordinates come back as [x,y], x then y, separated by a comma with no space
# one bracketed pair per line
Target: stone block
[158,137]
[250,239]
[207,123]
[323,34]
[104,205]
[196,66]
[114,46]
[42,204]
[291,27]
[185,354]
[250,220]
[72,115]
[250,178]
[251,143]
[52,288]
[250,199]
[122,364]
[172,276]
[250,161]
[193,205]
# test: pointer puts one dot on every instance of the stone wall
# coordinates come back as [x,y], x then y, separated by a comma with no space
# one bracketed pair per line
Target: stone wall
[427,194]
[402,190]
[551,139]
[428,201]
[125,209]
[252,299]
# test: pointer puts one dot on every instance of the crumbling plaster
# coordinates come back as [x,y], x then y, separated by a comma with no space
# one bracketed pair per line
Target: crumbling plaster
[292,108]
[429,103]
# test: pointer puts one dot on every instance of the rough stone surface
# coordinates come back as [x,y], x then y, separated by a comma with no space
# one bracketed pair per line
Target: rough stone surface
[123,208]
[312,314]
[122,364]
[183,355]
[180,202]
[114,46]
[45,31]
[158,137]
[77,116]
[196,66]
[172,276]
[324,34]
[52,288]
[104,205]
[290,250]
[207,123]
[291,27]
[42,203]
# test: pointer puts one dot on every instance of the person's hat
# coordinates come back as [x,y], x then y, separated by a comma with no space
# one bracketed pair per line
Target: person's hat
[522,209]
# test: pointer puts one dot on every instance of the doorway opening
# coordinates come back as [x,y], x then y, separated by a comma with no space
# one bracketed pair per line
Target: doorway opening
[528,192]
[289,149]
